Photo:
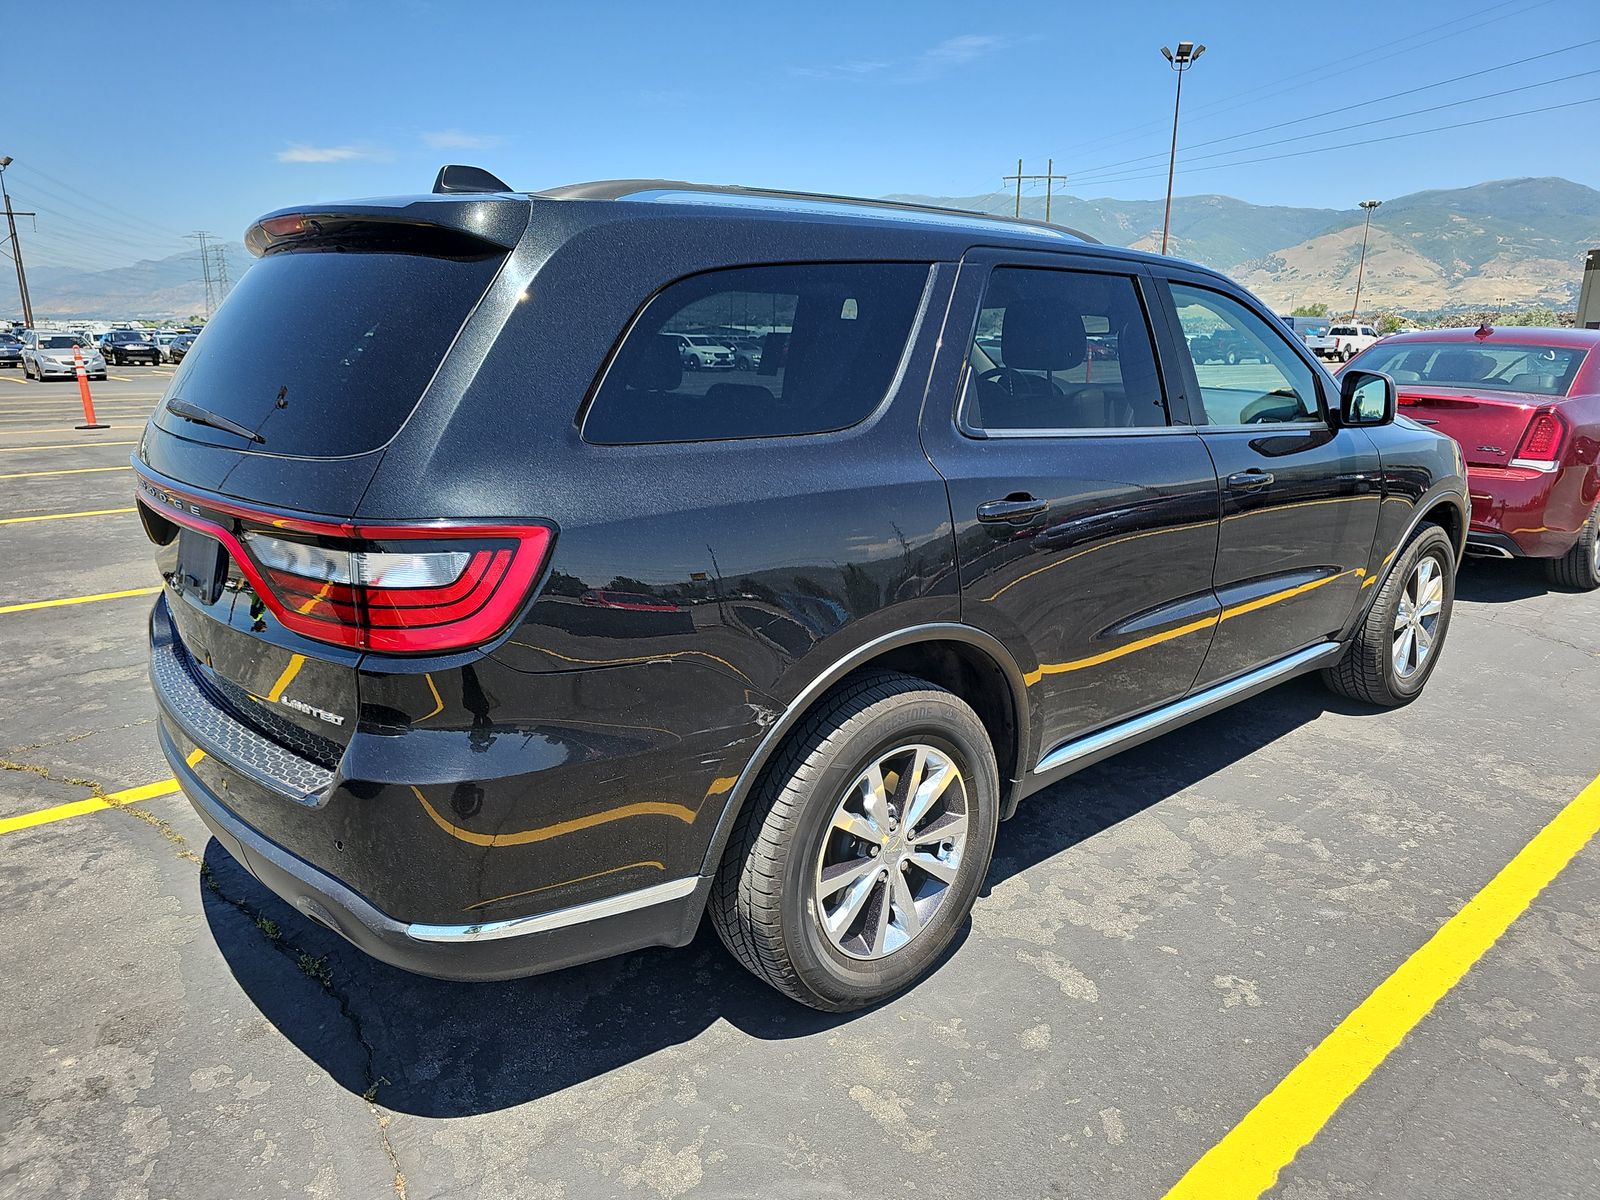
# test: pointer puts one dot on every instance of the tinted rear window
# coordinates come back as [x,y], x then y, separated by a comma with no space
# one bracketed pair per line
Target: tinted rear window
[1543,370]
[831,336]
[325,353]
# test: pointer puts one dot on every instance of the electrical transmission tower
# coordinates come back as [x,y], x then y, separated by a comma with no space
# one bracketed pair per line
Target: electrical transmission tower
[220,262]
[201,236]
[1049,178]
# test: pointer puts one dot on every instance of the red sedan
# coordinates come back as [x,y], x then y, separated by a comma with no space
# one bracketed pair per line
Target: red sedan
[1524,404]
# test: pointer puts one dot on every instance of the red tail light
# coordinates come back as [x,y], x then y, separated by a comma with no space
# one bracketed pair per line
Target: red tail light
[1541,444]
[423,588]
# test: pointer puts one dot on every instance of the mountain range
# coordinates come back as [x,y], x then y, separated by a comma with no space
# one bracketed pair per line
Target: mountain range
[1505,244]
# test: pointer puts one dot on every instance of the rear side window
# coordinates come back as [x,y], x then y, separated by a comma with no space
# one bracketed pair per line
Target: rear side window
[1061,350]
[758,352]
[326,352]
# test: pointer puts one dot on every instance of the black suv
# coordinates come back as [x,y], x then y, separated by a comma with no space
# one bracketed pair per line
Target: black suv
[123,346]
[495,641]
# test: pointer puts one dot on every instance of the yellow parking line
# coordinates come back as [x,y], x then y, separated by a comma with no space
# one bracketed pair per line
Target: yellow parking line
[66,446]
[76,808]
[31,605]
[1246,1162]
[66,424]
[93,512]
[68,471]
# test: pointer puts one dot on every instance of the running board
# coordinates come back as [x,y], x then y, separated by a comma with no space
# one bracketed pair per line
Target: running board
[1086,751]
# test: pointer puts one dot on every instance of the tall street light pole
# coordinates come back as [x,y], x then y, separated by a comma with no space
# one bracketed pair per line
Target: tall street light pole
[1369,205]
[1180,62]
[16,247]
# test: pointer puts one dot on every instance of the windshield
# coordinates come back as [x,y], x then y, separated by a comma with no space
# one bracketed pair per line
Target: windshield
[58,342]
[1542,370]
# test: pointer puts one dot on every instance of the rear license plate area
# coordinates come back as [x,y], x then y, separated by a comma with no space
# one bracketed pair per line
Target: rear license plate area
[202,565]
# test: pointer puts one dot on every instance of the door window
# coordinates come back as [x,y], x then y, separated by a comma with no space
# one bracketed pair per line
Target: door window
[1061,351]
[1247,373]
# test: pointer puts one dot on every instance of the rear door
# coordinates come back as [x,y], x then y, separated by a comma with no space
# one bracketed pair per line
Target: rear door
[1299,498]
[1086,523]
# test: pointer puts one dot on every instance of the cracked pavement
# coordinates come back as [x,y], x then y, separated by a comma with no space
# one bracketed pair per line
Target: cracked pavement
[1162,939]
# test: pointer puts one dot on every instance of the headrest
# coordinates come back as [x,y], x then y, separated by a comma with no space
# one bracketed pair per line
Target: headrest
[652,364]
[1530,381]
[1040,335]
[1468,365]
[737,393]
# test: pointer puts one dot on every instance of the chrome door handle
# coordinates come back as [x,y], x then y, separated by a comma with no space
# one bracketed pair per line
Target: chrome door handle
[1015,510]
[1249,481]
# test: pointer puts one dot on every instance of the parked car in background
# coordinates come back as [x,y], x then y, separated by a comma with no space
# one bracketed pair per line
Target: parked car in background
[1524,403]
[123,346]
[179,346]
[1224,345]
[700,353]
[747,353]
[163,341]
[1349,340]
[1313,331]
[51,356]
[491,688]
[10,351]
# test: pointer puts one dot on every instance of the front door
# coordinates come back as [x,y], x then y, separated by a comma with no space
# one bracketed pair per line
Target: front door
[1086,522]
[1300,498]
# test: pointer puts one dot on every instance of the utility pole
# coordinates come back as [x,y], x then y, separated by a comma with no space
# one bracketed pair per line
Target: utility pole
[1361,270]
[220,253]
[200,235]
[16,246]
[1049,178]
[1180,62]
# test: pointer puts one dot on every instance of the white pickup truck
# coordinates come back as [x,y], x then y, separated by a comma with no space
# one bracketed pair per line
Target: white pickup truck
[1349,340]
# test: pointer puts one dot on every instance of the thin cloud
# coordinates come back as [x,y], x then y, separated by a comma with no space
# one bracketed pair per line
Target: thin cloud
[948,55]
[300,152]
[457,139]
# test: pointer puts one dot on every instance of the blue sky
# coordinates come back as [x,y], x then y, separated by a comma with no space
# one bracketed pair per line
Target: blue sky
[218,112]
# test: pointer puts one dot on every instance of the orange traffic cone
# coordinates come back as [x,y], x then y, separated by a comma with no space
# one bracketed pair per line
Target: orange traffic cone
[83,391]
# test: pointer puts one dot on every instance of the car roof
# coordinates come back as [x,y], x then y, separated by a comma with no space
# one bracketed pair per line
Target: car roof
[1519,335]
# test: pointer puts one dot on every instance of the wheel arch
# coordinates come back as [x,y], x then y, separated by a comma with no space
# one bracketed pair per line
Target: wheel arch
[967,661]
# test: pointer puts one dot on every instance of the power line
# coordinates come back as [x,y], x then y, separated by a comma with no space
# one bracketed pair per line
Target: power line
[1343,108]
[1527,87]
[120,213]
[1393,137]
[1345,63]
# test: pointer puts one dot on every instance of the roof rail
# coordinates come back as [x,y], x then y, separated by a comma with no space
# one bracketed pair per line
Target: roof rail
[624,189]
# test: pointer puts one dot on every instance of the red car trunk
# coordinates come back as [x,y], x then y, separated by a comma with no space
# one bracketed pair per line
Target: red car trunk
[1489,427]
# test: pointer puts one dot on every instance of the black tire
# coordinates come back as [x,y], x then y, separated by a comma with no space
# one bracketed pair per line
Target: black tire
[1233,357]
[1367,671]
[763,903]
[1578,570]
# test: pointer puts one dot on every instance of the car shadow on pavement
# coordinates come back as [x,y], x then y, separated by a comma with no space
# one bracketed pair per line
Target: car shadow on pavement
[1495,581]
[440,1049]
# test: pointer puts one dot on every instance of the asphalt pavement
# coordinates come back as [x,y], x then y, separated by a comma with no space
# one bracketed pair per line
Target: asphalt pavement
[1163,938]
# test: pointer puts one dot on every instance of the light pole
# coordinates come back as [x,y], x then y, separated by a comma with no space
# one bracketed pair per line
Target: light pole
[1361,269]
[16,247]
[1180,62]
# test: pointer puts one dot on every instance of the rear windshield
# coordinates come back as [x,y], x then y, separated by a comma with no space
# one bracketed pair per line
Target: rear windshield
[1542,370]
[325,353]
[831,336]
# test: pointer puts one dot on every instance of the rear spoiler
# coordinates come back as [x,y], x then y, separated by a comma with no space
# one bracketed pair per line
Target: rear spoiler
[463,223]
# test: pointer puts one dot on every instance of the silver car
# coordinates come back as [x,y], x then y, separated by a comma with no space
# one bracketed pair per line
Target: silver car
[50,356]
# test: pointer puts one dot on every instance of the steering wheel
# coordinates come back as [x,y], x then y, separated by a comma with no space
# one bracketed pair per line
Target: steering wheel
[1269,410]
[1029,385]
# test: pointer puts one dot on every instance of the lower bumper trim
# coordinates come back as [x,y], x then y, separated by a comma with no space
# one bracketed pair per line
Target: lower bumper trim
[578,914]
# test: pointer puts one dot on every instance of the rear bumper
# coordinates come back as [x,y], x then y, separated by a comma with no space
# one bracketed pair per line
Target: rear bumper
[661,915]
[1524,512]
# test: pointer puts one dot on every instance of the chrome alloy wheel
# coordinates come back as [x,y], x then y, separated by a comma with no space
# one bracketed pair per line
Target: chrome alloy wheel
[1416,620]
[892,851]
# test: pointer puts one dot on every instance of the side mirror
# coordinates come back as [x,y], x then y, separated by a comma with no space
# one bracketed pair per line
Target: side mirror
[1366,398]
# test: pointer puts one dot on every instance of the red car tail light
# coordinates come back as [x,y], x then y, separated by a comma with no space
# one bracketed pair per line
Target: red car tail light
[423,588]
[1541,444]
